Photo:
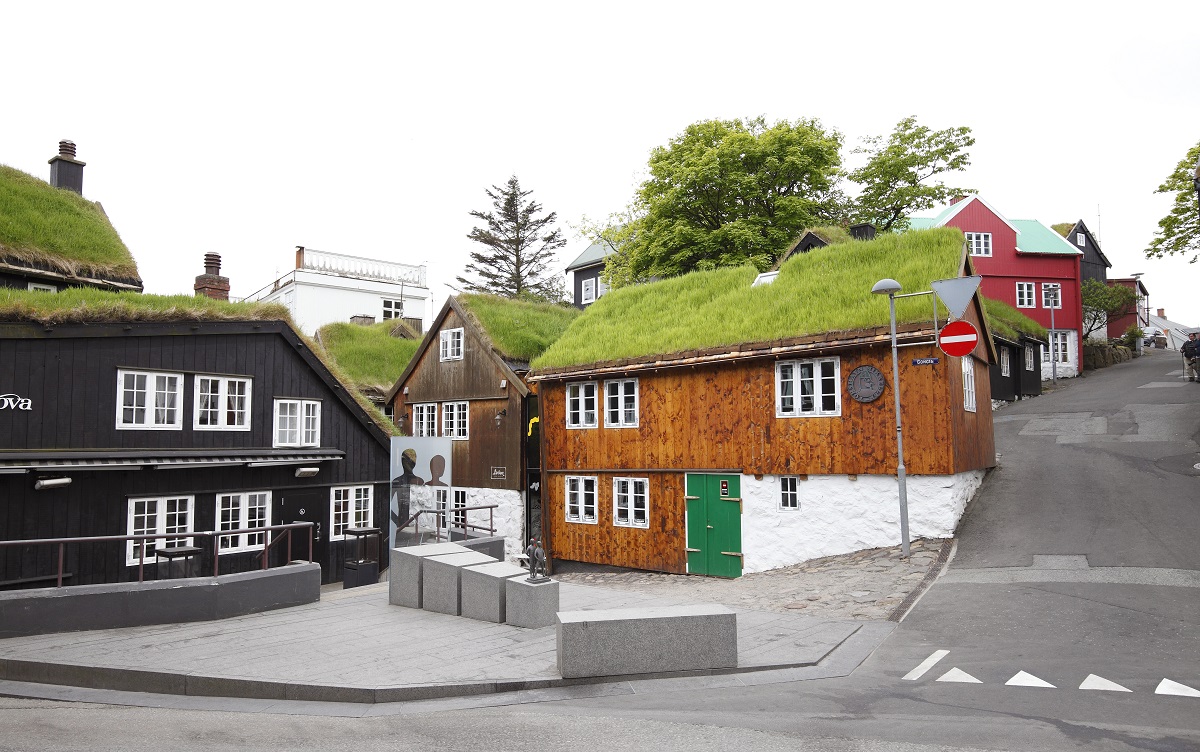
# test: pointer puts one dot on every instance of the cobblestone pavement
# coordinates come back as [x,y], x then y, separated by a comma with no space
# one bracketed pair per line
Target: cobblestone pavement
[867,585]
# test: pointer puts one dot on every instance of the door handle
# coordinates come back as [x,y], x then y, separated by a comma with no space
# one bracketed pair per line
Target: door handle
[710,527]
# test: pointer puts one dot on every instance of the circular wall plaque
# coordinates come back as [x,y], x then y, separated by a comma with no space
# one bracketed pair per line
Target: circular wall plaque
[865,383]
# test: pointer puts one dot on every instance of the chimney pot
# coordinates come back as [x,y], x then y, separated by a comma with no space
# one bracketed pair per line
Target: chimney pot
[66,148]
[212,263]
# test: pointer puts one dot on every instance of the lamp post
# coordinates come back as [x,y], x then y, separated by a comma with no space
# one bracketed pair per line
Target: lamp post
[1137,307]
[890,287]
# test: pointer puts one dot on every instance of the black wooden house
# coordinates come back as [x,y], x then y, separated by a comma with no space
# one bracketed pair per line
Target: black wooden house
[137,425]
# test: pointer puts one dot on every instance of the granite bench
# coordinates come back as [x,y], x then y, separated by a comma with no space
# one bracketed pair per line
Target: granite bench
[405,570]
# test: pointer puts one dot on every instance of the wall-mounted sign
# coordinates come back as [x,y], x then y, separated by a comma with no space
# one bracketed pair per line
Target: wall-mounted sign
[865,383]
[499,473]
[724,488]
[15,402]
[926,361]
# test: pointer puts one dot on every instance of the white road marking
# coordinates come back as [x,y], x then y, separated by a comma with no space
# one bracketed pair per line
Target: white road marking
[925,665]
[1022,679]
[1099,682]
[1162,384]
[1168,687]
[958,675]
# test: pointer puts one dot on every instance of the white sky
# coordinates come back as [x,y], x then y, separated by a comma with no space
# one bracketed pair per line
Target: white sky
[373,129]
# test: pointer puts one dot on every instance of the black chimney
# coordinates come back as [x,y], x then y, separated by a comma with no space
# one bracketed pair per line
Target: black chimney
[65,170]
[864,231]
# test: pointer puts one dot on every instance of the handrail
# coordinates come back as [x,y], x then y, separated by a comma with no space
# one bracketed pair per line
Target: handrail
[215,535]
[441,513]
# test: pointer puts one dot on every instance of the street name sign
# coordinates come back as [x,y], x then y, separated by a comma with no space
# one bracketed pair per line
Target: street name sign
[958,338]
[925,361]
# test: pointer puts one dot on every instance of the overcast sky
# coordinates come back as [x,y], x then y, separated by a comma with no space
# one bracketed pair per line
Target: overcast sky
[373,129]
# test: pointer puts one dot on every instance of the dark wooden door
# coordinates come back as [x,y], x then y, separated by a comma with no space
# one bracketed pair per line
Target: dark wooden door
[714,525]
[309,505]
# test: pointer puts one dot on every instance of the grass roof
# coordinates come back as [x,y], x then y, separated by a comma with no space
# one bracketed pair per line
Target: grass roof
[519,330]
[370,355]
[1063,228]
[60,229]
[827,289]
[830,233]
[1006,321]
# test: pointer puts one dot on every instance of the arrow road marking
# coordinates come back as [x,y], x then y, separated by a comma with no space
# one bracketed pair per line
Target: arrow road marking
[925,665]
[1022,679]
[1099,682]
[958,675]
[1168,687]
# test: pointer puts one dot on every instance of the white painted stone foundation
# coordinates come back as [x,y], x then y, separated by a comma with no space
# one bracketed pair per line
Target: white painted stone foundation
[838,515]
[509,515]
[1068,370]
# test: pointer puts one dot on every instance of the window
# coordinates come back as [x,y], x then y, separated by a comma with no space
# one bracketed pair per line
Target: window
[454,420]
[581,405]
[238,512]
[149,400]
[581,499]
[162,516]
[1025,295]
[1029,360]
[789,493]
[588,294]
[460,508]
[222,404]
[1051,295]
[630,503]
[392,309]
[621,403]
[979,243]
[425,420]
[1081,240]
[807,387]
[968,372]
[1005,362]
[601,288]
[38,287]
[439,499]
[349,506]
[297,423]
[1058,342]
[452,344]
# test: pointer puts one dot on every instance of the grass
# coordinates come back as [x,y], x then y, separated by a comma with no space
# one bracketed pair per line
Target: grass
[1063,228]
[43,224]
[825,290]
[831,234]
[1008,322]
[519,330]
[369,355]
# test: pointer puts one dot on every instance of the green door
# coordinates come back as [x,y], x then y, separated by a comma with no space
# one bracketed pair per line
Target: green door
[714,525]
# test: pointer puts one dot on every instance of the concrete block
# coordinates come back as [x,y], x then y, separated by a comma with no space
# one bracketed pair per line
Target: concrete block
[656,639]
[404,571]
[530,604]
[483,590]
[493,546]
[252,592]
[441,580]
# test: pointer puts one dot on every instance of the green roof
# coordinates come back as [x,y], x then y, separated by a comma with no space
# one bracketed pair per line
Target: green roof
[370,355]
[59,230]
[519,330]
[592,254]
[825,290]
[1035,237]
[921,223]
[1008,322]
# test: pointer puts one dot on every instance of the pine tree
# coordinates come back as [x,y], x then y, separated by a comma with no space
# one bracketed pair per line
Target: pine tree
[519,246]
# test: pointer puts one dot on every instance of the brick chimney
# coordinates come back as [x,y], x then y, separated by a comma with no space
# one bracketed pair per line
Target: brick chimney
[956,199]
[211,283]
[1161,315]
[65,170]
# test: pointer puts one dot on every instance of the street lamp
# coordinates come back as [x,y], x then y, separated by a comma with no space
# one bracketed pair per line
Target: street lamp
[890,287]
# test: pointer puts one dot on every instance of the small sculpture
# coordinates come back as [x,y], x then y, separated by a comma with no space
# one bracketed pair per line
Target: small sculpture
[537,561]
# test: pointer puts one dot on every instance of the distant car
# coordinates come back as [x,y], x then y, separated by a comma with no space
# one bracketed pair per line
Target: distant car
[1150,333]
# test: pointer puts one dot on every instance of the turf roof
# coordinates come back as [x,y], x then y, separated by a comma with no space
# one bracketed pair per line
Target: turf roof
[370,355]
[1006,321]
[59,229]
[825,290]
[519,330]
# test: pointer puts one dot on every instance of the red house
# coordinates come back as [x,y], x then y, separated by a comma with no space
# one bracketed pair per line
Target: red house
[1027,265]
[1134,317]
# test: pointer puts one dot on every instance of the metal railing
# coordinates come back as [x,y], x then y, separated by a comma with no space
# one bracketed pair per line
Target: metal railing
[215,535]
[441,523]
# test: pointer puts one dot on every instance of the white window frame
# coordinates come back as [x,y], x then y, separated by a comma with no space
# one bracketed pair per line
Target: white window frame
[577,497]
[577,416]
[622,390]
[456,420]
[1028,292]
[979,243]
[1058,342]
[308,424]
[968,377]
[627,498]
[241,505]
[161,517]
[425,419]
[1056,289]
[39,287]
[450,345]
[789,493]
[1029,358]
[1005,362]
[587,292]
[1081,240]
[788,375]
[224,383]
[350,506]
[393,308]
[150,418]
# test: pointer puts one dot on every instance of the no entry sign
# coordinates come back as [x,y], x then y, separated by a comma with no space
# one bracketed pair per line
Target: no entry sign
[958,338]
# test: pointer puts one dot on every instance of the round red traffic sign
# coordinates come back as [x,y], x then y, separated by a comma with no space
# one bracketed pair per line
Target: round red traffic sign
[958,338]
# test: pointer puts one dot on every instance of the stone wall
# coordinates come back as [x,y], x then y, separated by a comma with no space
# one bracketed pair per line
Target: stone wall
[1097,355]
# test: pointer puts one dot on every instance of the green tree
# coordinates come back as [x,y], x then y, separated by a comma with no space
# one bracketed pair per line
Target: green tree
[519,247]
[1102,302]
[726,193]
[899,176]
[1179,231]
